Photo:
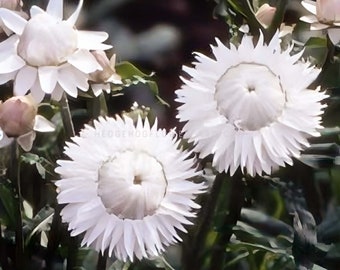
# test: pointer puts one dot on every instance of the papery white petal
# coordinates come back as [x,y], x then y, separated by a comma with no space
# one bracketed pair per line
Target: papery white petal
[92,40]
[74,17]
[11,63]
[41,124]
[12,20]
[309,5]
[84,61]
[24,80]
[7,77]
[35,10]
[309,19]
[334,35]
[57,93]
[48,76]
[26,140]
[55,8]
[37,93]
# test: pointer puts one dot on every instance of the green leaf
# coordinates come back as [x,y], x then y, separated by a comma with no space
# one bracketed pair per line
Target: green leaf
[119,265]
[126,70]
[318,161]
[160,262]
[41,222]
[7,205]
[131,75]
[43,166]
[316,42]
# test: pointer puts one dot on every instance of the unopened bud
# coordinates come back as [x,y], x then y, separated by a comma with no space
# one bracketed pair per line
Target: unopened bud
[108,74]
[11,4]
[328,11]
[17,115]
[265,14]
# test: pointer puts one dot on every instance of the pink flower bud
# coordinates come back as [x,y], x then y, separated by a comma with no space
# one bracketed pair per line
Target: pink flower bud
[11,4]
[265,14]
[17,115]
[328,11]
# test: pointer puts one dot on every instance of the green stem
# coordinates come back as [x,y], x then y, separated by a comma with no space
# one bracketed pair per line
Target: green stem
[53,238]
[102,259]
[195,249]
[66,117]
[72,242]
[236,199]
[97,106]
[3,253]
[15,178]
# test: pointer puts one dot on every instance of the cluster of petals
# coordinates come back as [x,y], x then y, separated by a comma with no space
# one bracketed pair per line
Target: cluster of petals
[250,106]
[132,193]
[46,54]
[325,15]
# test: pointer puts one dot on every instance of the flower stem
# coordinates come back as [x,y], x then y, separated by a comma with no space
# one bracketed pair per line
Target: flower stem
[102,258]
[97,106]
[15,178]
[236,199]
[69,130]
[195,248]
[66,117]
[3,253]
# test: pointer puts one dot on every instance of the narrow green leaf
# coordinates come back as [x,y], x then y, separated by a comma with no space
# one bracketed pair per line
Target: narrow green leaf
[7,202]
[41,222]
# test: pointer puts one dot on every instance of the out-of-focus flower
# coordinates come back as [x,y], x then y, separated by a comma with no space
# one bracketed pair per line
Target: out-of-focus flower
[265,14]
[47,55]
[102,78]
[248,110]
[19,119]
[326,15]
[132,193]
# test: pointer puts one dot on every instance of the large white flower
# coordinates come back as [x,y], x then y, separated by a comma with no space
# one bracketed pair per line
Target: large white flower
[325,15]
[251,107]
[127,188]
[47,55]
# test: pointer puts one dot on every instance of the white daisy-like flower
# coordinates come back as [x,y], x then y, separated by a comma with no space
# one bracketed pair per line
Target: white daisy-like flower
[325,15]
[251,107]
[47,55]
[127,187]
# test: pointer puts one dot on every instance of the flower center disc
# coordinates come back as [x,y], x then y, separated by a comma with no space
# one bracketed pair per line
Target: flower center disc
[46,41]
[131,185]
[250,96]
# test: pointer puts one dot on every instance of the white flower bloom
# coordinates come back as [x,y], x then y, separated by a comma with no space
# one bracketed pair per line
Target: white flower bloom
[325,15]
[47,55]
[251,107]
[127,188]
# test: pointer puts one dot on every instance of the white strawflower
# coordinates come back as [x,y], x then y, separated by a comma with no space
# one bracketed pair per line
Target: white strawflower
[47,55]
[127,188]
[325,15]
[251,107]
